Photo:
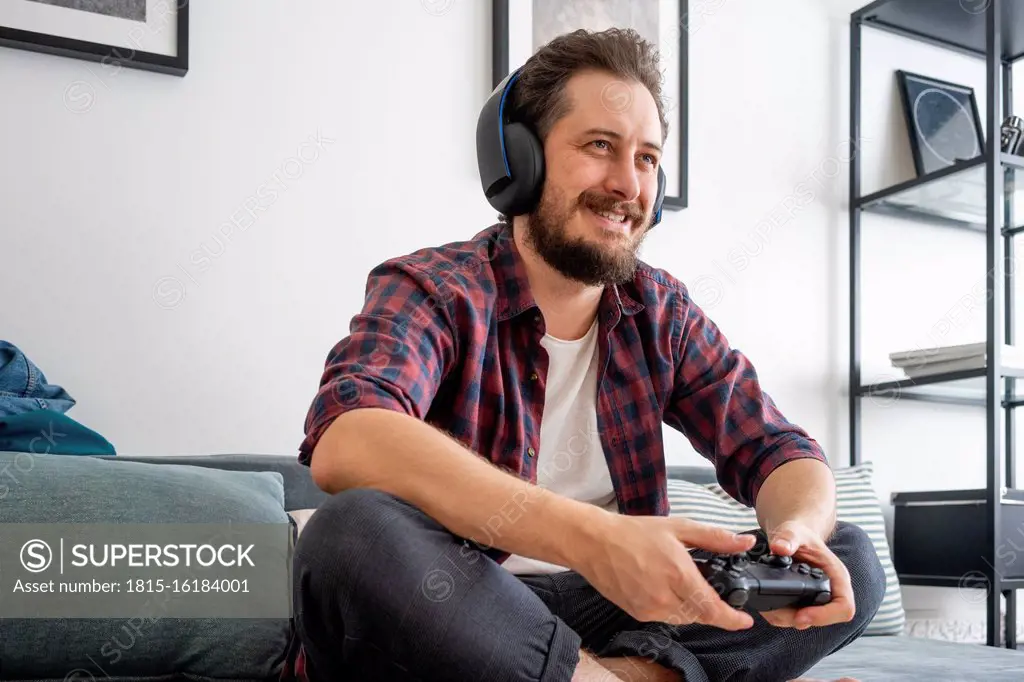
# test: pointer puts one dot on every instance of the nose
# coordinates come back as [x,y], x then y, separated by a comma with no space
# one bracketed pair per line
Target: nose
[623,180]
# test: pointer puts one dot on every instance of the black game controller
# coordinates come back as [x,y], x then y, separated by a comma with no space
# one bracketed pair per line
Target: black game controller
[766,583]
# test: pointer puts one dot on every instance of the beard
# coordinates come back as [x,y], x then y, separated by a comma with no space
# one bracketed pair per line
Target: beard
[576,258]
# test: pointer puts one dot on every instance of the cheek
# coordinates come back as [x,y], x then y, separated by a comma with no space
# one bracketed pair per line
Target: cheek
[576,175]
[650,194]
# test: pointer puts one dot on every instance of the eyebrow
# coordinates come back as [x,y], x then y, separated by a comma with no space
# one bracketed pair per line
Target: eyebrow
[612,134]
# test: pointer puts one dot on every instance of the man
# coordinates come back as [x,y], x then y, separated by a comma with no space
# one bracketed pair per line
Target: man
[490,432]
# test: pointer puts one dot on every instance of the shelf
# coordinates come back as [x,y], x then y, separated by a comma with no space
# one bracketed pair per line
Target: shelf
[954,196]
[955,24]
[941,544]
[964,387]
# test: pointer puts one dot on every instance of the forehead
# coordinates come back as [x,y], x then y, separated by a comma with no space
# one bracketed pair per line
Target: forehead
[602,100]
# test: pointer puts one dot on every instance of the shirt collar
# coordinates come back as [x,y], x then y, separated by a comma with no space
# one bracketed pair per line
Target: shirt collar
[513,285]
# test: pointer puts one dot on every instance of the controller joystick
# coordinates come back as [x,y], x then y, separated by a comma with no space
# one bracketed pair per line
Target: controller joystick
[777,560]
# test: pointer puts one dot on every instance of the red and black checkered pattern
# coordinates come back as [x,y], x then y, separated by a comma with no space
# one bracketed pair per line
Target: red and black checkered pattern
[451,335]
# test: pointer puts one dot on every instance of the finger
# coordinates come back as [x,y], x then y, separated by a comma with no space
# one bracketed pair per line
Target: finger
[701,603]
[717,613]
[842,607]
[712,538]
[784,541]
[781,618]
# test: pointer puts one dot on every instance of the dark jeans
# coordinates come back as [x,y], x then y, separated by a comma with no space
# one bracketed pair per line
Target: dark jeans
[384,592]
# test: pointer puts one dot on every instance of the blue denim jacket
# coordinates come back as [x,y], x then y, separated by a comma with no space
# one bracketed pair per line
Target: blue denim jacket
[23,387]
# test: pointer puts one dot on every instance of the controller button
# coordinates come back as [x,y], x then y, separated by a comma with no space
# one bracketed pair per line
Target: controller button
[737,598]
[718,562]
[734,573]
[822,598]
[817,573]
[740,561]
[803,569]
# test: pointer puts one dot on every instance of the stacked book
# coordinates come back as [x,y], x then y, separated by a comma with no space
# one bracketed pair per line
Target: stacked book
[942,359]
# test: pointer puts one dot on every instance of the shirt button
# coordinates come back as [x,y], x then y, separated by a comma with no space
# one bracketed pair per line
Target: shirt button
[534,377]
[531,452]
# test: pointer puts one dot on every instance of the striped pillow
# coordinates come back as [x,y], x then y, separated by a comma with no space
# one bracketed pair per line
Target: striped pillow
[857,504]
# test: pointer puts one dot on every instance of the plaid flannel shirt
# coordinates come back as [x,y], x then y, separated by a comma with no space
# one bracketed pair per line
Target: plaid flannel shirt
[451,335]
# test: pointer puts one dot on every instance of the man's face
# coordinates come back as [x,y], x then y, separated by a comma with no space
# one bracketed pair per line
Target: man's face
[601,180]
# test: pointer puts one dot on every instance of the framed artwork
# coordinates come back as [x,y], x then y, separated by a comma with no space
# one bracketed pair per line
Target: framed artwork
[942,122]
[520,27]
[141,34]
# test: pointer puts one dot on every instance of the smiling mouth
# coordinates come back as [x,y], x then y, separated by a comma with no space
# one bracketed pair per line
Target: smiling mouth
[612,220]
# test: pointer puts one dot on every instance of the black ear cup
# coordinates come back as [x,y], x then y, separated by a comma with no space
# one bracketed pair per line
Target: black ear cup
[526,164]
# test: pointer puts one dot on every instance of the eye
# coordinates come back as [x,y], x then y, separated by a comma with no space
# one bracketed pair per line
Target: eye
[651,159]
[601,142]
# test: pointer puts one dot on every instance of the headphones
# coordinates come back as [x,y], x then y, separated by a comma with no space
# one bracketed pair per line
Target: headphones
[511,157]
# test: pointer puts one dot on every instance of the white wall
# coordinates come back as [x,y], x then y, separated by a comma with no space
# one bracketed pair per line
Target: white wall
[102,207]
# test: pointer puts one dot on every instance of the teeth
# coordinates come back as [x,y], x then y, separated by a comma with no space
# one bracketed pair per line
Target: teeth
[616,217]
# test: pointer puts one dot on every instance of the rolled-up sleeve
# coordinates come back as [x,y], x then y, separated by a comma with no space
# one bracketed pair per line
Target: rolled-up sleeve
[718,403]
[395,356]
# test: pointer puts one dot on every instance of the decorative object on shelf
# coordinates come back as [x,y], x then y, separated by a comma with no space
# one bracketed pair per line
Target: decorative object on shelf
[522,26]
[942,121]
[1010,134]
[139,34]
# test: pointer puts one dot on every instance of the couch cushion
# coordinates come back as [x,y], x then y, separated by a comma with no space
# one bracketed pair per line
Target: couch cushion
[857,504]
[59,489]
[300,492]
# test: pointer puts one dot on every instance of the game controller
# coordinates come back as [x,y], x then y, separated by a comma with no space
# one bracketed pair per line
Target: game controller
[765,583]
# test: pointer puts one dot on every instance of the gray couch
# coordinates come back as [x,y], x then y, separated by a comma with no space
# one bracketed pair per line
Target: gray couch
[890,658]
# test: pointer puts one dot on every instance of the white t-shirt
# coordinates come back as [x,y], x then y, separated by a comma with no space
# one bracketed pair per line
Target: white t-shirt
[571,461]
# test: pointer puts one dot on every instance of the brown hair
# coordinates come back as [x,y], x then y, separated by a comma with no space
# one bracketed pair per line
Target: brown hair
[539,93]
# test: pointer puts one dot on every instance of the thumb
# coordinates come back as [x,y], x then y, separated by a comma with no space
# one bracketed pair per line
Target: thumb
[711,538]
[784,540]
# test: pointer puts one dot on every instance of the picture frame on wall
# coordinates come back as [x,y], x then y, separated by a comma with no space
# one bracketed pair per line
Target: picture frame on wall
[150,35]
[942,119]
[520,27]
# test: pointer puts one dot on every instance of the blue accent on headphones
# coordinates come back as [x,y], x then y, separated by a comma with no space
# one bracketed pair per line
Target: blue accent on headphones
[501,121]
[510,157]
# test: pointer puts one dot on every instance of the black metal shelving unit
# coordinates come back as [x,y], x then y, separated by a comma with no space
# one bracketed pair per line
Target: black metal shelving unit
[975,195]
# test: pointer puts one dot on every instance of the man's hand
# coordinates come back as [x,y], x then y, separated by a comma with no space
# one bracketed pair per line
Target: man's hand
[642,564]
[796,539]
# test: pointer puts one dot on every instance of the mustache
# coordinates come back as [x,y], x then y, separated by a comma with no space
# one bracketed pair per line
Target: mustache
[602,202]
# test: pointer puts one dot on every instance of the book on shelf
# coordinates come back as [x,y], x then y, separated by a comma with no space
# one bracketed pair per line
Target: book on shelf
[915,371]
[946,353]
[942,359]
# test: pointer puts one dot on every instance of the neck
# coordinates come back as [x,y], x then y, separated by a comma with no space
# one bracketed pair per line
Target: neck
[569,307]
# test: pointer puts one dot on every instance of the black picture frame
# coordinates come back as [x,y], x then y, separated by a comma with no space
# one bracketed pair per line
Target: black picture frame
[934,150]
[110,55]
[677,192]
